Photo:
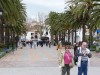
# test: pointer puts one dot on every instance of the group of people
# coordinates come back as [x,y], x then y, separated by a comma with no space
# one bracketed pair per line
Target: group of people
[35,43]
[80,57]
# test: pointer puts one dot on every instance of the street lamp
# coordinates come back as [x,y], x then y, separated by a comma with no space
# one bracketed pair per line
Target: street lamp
[1,12]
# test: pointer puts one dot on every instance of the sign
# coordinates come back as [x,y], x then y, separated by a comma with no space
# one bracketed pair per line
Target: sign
[98,31]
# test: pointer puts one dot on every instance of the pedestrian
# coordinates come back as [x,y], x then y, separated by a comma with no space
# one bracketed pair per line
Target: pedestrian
[49,44]
[20,44]
[37,43]
[41,43]
[34,44]
[31,43]
[66,60]
[83,54]
[75,56]
[59,48]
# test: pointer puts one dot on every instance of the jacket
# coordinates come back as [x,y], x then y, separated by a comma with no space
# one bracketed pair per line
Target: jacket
[79,54]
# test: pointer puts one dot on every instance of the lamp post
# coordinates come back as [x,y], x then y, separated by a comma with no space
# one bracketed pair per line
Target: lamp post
[1,12]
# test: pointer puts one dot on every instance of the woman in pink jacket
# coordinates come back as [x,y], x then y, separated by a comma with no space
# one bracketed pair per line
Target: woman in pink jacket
[67,60]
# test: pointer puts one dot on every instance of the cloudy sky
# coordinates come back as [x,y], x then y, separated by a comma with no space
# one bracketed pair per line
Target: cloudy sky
[33,7]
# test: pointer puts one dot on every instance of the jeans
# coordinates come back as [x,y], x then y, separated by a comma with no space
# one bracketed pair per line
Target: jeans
[31,45]
[65,69]
[83,69]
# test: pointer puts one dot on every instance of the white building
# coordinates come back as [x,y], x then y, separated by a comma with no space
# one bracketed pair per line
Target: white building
[78,36]
[31,35]
[46,29]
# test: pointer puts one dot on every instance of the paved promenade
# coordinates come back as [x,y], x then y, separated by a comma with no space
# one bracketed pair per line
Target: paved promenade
[39,61]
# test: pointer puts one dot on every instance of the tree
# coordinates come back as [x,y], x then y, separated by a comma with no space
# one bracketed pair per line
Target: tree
[14,17]
[13,12]
[83,12]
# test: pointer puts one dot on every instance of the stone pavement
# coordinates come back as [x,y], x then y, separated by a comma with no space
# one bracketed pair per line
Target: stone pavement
[39,61]
[26,57]
[43,71]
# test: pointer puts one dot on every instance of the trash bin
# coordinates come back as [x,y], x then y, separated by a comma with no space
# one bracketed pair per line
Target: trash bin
[92,47]
[6,50]
[97,48]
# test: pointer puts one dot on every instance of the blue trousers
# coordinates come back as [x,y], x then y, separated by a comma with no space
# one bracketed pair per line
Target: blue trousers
[84,68]
[31,45]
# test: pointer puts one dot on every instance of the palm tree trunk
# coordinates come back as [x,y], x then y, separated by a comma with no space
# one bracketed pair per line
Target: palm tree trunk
[7,36]
[84,30]
[2,34]
[68,35]
[64,36]
[75,35]
[13,39]
[56,38]
[91,37]
[59,35]
[72,37]
[51,37]
[0,30]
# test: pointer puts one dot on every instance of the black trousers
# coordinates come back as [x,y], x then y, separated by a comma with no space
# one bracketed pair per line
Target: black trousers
[66,69]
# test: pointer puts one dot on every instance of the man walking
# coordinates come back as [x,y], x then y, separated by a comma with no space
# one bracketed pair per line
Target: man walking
[83,58]
[31,44]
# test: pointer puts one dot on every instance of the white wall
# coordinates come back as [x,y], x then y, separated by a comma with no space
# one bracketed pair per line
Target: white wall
[78,34]
[28,36]
[44,34]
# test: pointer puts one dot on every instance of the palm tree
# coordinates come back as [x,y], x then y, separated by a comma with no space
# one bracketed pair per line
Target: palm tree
[71,22]
[13,11]
[83,12]
[14,16]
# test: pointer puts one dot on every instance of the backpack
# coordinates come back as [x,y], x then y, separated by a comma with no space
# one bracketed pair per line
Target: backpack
[76,54]
[68,57]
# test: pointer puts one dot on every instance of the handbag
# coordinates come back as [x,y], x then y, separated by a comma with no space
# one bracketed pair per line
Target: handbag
[76,58]
[71,65]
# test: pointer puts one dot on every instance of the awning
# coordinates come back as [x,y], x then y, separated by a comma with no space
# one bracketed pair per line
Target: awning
[44,38]
[98,31]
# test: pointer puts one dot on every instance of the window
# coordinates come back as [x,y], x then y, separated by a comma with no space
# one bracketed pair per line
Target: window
[32,33]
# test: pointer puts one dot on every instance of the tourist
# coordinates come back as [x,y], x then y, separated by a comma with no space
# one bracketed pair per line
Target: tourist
[66,59]
[75,57]
[83,54]
[49,44]
[59,48]
[31,43]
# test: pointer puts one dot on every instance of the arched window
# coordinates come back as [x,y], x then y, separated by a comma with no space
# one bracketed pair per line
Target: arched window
[46,33]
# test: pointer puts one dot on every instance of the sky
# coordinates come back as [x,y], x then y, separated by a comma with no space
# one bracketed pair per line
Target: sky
[33,7]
